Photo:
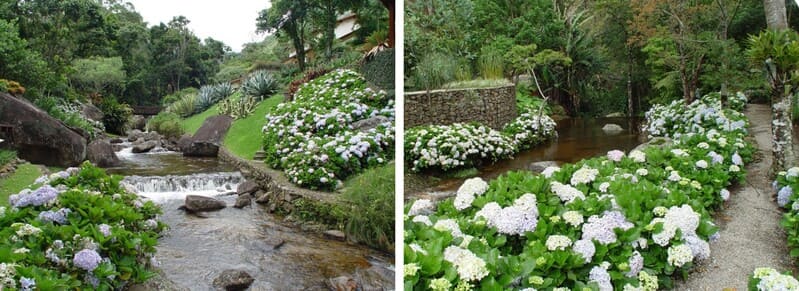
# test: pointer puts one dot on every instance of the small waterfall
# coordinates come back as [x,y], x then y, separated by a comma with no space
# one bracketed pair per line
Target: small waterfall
[161,188]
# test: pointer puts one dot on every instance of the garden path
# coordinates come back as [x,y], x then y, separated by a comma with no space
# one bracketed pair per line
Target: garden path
[751,235]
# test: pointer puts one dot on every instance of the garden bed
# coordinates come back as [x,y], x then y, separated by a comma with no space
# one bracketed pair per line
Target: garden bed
[627,220]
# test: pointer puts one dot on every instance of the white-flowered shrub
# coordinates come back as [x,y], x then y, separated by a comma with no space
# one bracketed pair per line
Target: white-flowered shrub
[452,146]
[785,188]
[621,221]
[768,279]
[463,145]
[312,140]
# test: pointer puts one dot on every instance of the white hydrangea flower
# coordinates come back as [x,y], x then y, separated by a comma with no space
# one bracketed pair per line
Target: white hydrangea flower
[725,194]
[642,172]
[566,193]
[586,248]
[417,248]
[679,255]
[638,156]
[423,219]
[703,145]
[604,187]
[584,175]
[573,217]
[549,171]
[700,249]
[470,267]
[702,164]
[466,193]
[601,277]
[449,225]
[770,279]
[735,168]
[558,242]
[674,176]
[792,172]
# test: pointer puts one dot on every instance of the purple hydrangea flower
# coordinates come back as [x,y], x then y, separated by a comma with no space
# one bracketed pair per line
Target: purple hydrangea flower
[87,260]
[59,216]
[91,279]
[27,284]
[585,248]
[784,196]
[601,228]
[636,264]
[615,155]
[38,197]
[105,229]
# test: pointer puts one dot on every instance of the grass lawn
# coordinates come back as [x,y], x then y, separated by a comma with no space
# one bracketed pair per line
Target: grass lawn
[21,179]
[244,137]
[193,123]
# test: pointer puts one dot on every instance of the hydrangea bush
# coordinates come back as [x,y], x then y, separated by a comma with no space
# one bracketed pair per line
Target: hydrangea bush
[767,279]
[458,145]
[621,221]
[312,138]
[785,187]
[80,230]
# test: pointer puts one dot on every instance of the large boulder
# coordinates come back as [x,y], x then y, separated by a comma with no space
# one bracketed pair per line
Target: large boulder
[36,136]
[144,147]
[196,203]
[659,142]
[247,187]
[233,280]
[612,129]
[101,153]
[369,123]
[91,112]
[207,139]
[137,122]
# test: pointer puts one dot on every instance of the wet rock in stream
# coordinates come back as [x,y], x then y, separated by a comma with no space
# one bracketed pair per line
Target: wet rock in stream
[242,201]
[233,280]
[247,187]
[196,203]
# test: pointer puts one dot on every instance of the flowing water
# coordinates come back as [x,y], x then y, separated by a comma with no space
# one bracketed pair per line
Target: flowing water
[195,250]
[578,138]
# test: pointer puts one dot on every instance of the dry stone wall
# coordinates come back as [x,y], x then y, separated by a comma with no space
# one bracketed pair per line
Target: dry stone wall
[493,107]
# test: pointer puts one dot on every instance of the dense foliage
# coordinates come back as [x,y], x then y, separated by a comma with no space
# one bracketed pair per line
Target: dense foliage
[167,124]
[78,229]
[115,115]
[625,220]
[312,139]
[370,219]
[70,113]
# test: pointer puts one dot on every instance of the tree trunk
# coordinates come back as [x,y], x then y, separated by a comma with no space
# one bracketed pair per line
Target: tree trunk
[781,125]
[389,4]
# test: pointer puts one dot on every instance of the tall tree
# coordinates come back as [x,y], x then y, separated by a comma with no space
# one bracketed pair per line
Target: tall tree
[291,18]
[778,51]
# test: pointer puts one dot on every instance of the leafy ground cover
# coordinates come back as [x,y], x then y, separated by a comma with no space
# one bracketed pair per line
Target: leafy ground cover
[622,221]
[77,229]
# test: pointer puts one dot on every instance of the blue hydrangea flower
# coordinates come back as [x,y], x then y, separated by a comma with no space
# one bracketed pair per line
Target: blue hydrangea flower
[59,216]
[87,260]
[105,229]
[27,284]
[784,196]
[39,197]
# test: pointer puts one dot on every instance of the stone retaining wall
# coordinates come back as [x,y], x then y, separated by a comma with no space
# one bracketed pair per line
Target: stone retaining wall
[280,193]
[493,107]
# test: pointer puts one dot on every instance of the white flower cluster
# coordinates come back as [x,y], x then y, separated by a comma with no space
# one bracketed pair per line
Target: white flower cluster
[566,193]
[677,119]
[584,175]
[421,207]
[601,228]
[770,279]
[528,129]
[679,255]
[7,272]
[516,219]
[469,189]
[558,242]
[683,218]
[573,217]
[601,277]
[456,145]
[470,267]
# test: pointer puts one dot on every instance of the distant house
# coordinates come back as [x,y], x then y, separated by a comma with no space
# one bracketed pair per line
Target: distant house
[346,26]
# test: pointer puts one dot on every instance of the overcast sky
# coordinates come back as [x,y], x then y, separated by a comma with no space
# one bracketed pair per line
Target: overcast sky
[230,21]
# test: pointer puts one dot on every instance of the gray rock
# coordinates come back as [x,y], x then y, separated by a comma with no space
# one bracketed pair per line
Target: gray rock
[369,123]
[101,153]
[196,203]
[247,187]
[37,137]
[184,142]
[91,112]
[134,134]
[655,142]
[144,147]
[612,129]
[261,197]
[615,114]
[233,280]
[137,122]
[243,200]
[335,235]
[116,140]
[540,166]
[206,141]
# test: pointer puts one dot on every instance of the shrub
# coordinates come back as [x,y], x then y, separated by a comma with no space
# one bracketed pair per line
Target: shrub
[175,96]
[167,124]
[766,279]
[116,115]
[238,106]
[311,139]
[379,69]
[69,113]
[6,156]
[371,217]
[80,230]
[309,76]
[455,146]
[491,65]
[433,71]
[185,106]
[530,129]
[260,84]
[621,221]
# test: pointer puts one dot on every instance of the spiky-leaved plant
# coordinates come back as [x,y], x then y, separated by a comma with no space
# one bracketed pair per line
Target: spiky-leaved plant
[260,84]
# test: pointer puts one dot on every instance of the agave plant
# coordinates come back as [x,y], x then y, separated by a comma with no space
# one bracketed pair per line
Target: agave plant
[206,97]
[223,90]
[260,84]
[185,106]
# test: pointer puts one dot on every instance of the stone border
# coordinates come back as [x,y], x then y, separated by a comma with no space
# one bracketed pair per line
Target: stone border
[280,193]
[491,106]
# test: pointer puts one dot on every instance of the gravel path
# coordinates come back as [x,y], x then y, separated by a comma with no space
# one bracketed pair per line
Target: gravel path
[751,236]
